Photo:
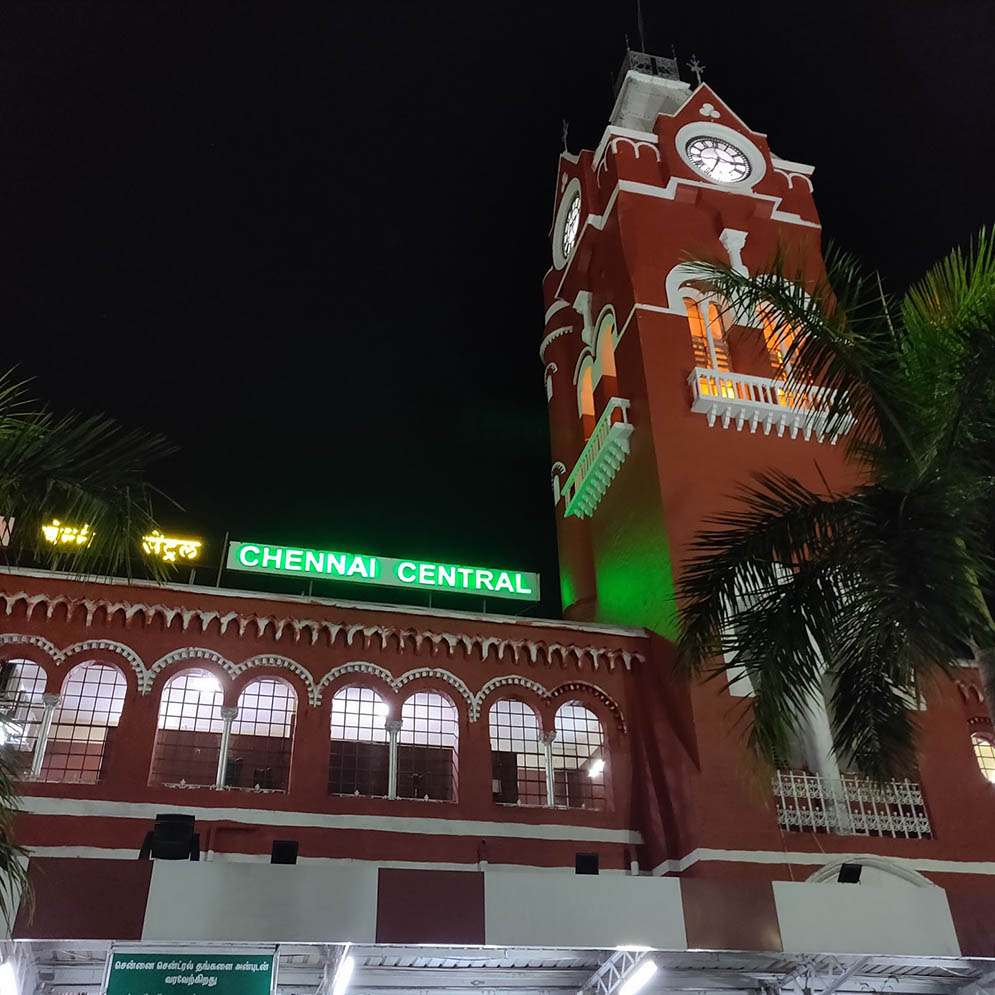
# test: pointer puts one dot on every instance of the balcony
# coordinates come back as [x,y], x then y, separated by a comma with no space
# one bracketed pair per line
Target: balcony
[850,806]
[755,401]
[599,462]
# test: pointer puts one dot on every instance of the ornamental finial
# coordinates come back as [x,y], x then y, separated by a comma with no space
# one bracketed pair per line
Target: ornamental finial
[697,68]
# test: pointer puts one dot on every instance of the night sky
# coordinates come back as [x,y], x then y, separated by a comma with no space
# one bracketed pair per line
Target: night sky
[305,241]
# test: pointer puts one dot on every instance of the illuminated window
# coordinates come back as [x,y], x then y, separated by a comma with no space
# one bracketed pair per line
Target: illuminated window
[360,756]
[22,684]
[579,758]
[705,337]
[518,758]
[262,736]
[84,724]
[587,393]
[607,355]
[188,740]
[427,748]
[984,751]
[779,339]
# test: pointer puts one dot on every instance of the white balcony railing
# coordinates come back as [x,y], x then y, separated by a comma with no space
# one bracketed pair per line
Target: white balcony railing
[850,806]
[753,401]
[599,462]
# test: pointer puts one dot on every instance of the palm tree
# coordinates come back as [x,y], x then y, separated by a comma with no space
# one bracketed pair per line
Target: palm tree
[868,595]
[83,470]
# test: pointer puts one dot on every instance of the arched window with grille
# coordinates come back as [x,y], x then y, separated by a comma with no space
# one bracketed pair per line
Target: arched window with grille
[708,337]
[84,724]
[579,758]
[428,746]
[984,752]
[188,738]
[22,684]
[359,761]
[518,757]
[262,736]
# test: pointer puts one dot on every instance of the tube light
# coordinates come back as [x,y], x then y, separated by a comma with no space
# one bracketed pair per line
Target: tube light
[596,767]
[8,980]
[637,980]
[342,976]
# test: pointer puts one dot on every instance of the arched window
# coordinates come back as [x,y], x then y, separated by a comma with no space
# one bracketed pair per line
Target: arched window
[188,740]
[359,762]
[779,339]
[708,339]
[579,758]
[427,748]
[518,758]
[586,400]
[84,724]
[984,751]
[22,684]
[262,736]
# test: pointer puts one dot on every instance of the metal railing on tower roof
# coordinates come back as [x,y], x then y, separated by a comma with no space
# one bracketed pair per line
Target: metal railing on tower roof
[651,65]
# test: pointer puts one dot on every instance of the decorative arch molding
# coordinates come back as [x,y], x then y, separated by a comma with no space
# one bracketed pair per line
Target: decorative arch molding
[355,667]
[109,646]
[828,872]
[437,674]
[575,687]
[511,680]
[192,654]
[39,642]
[272,660]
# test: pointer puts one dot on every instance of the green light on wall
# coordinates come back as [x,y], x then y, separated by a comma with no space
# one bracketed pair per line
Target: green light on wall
[382,571]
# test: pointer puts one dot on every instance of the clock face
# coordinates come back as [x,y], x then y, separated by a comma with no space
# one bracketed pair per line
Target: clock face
[571,225]
[718,160]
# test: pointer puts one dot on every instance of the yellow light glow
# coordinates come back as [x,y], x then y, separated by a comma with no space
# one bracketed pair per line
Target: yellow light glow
[67,535]
[167,548]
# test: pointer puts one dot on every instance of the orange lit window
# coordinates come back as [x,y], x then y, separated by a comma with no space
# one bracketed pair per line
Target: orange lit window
[778,338]
[587,401]
[699,336]
[984,751]
[607,351]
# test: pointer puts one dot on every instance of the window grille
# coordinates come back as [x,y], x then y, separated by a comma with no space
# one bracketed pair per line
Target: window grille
[578,758]
[427,748]
[984,751]
[22,684]
[518,758]
[262,736]
[699,335]
[360,755]
[84,724]
[188,740]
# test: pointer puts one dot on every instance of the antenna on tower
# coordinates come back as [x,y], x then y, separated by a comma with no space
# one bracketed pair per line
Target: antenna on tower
[640,25]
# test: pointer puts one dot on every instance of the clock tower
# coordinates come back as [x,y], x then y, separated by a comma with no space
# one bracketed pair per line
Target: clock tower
[659,404]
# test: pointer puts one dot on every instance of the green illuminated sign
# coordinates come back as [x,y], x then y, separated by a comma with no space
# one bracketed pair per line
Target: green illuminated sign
[382,571]
[193,973]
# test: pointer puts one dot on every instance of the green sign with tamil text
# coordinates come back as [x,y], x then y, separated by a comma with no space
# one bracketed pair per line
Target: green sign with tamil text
[191,973]
[382,571]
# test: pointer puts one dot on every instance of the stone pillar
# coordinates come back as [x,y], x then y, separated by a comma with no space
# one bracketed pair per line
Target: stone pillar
[393,729]
[50,702]
[228,716]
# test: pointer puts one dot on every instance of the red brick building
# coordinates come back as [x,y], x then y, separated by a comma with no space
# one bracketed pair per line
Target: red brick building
[446,774]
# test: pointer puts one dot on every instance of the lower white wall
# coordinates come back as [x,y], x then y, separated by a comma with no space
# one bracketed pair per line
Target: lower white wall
[528,908]
[266,902]
[864,919]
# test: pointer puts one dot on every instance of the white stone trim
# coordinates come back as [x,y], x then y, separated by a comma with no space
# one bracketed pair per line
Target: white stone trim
[273,660]
[819,858]
[271,818]
[552,337]
[571,190]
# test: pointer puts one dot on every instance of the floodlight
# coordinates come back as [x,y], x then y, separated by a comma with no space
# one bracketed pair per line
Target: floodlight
[596,767]
[342,975]
[637,980]
[8,979]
